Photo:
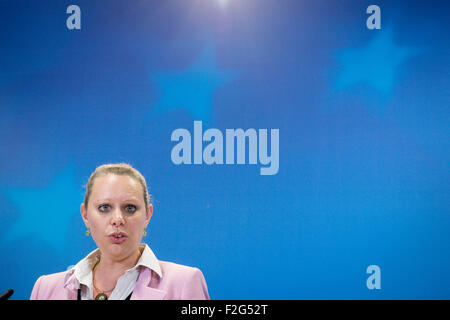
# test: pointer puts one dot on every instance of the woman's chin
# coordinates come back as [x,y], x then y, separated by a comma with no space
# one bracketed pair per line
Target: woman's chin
[119,251]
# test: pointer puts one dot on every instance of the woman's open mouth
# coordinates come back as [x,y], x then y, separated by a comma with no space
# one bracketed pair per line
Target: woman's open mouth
[118,237]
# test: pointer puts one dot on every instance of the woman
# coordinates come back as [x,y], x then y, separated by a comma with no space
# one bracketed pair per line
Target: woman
[116,211]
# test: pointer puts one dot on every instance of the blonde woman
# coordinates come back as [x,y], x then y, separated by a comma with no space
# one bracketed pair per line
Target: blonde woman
[116,211]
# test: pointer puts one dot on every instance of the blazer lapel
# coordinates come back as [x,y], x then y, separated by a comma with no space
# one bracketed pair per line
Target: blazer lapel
[143,291]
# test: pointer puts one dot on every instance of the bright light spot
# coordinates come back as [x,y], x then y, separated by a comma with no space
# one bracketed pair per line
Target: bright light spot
[222,2]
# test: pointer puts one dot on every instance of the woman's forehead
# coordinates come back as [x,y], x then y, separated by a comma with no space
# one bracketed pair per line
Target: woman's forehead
[112,185]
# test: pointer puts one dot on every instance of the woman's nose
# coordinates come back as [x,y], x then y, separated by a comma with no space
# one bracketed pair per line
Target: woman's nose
[117,218]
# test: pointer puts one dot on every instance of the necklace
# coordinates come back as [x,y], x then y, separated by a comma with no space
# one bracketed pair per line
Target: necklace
[103,293]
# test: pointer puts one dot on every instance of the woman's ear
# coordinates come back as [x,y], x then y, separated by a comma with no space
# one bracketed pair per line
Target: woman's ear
[149,214]
[83,211]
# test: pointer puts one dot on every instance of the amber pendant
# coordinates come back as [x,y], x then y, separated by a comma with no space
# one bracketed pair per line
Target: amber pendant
[101,296]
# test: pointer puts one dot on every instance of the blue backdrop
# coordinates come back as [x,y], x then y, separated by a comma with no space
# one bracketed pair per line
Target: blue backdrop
[362,116]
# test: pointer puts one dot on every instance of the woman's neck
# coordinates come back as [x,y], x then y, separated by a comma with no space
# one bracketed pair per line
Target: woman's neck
[109,270]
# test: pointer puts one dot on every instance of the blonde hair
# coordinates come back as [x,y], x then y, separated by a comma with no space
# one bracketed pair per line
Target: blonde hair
[117,169]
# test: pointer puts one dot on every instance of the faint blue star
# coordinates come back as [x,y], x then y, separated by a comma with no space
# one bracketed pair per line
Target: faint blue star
[45,213]
[374,64]
[191,89]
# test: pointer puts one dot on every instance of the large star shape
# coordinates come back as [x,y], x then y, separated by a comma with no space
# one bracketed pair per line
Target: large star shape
[45,213]
[192,88]
[374,64]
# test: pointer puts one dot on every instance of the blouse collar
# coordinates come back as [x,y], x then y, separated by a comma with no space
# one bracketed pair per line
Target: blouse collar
[81,273]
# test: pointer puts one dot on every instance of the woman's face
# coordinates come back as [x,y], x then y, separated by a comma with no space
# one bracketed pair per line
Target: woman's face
[116,215]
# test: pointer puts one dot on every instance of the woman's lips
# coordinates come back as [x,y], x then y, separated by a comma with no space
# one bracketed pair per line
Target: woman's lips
[117,237]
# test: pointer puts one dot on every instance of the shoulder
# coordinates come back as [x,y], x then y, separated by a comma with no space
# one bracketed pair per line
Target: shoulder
[171,269]
[188,282]
[49,286]
[52,279]
[180,274]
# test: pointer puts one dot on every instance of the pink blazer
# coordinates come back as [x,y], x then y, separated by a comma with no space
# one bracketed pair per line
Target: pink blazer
[178,282]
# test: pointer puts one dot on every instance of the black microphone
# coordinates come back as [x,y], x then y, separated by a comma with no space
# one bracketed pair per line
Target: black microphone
[5,295]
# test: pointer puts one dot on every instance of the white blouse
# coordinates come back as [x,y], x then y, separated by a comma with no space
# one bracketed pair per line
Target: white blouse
[125,284]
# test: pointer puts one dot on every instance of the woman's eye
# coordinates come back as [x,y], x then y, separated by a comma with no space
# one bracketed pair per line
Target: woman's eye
[130,208]
[104,208]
